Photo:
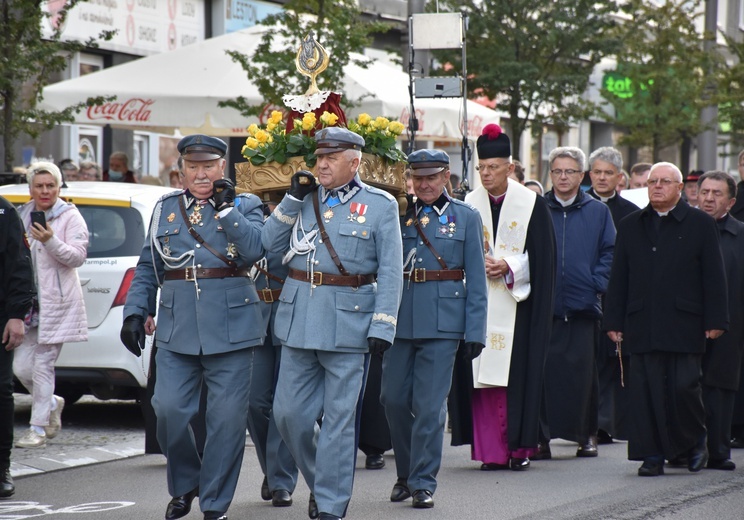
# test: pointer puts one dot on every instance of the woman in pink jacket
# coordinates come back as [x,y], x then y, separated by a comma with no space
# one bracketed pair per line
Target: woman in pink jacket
[57,249]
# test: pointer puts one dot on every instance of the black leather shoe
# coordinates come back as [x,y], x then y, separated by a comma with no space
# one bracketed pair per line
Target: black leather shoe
[328,516]
[491,466]
[651,468]
[422,499]
[519,464]
[375,462]
[603,437]
[400,491]
[724,464]
[265,491]
[737,442]
[312,507]
[543,451]
[697,457]
[179,507]
[7,487]
[588,449]
[281,498]
[214,515]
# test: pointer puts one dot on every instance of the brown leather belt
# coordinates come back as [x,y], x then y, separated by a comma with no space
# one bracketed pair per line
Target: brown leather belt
[191,273]
[269,295]
[430,275]
[352,280]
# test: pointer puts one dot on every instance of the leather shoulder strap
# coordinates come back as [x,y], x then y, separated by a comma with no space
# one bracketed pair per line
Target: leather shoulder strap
[324,236]
[428,244]
[199,238]
[266,273]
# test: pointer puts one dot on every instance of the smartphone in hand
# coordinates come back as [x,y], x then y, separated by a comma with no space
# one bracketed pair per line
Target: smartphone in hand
[38,217]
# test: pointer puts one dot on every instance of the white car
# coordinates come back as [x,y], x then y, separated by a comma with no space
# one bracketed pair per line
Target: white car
[118,215]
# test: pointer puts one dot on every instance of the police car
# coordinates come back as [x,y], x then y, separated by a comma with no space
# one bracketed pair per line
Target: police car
[117,215]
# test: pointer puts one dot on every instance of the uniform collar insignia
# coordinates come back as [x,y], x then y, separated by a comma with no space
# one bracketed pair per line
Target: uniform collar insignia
[189,200]
[439,205]
[344,193]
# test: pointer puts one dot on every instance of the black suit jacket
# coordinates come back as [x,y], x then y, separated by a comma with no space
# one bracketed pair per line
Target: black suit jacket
[665,291]
[722,360]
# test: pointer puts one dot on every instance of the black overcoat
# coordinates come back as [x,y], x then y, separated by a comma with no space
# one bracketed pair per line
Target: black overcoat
[666,291]
[722,360]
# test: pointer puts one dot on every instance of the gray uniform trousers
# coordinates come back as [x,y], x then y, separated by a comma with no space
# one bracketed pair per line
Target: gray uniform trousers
[273,454]
[314,384]
[416,378]
[176,403]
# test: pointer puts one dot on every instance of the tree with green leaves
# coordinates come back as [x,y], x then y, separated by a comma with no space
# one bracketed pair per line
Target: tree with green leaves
[731,95]
[337,26]
[666,73]
[534,57]
[28,62]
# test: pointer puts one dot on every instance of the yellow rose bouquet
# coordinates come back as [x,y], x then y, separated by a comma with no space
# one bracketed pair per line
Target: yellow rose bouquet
[276,142]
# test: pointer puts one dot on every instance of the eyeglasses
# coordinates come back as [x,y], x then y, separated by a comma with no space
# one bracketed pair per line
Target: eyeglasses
[663,182]
[606,173]
[559,172]
[491,168]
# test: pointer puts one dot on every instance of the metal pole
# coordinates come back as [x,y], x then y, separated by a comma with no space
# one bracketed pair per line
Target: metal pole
[708,140]
[465,145]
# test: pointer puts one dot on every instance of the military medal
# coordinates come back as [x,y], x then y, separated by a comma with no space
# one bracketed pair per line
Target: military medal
[409,222]
[171,217]
[357,210]
[328,215]
[443,230]
[232,250]
[196,215]
[167,250]
[424,220]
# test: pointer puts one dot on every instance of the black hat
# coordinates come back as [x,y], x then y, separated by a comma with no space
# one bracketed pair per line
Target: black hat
[493,142]
[694,175]
[200,147]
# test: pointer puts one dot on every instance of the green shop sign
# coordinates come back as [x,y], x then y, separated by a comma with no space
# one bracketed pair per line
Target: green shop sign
[619,85]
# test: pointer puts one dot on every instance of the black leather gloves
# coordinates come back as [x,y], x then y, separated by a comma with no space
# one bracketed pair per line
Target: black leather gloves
[224,194]
[133,334]
[471,350]
[302,183]
[377,346]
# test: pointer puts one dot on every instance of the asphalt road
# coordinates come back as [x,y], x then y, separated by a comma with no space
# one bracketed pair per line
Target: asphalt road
[134,486]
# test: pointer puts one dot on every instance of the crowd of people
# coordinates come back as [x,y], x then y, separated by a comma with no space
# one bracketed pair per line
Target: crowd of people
[325,311]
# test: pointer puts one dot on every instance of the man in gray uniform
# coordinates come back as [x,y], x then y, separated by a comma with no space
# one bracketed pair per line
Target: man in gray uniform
[339,302]
[201,245]
[443,244]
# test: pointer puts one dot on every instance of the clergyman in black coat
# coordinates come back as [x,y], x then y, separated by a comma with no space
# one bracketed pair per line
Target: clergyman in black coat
[666,296]
[722,359]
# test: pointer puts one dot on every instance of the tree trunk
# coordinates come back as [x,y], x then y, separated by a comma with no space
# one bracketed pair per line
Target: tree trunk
[684,160]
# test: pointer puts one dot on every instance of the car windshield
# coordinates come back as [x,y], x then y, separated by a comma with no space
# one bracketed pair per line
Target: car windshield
[114,231]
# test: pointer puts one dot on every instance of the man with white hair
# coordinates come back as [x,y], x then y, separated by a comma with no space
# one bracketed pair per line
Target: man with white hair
[664,324]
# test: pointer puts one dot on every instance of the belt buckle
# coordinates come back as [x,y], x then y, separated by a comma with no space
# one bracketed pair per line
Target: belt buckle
[190,274]
[416,277]
[268,296]
[319,280]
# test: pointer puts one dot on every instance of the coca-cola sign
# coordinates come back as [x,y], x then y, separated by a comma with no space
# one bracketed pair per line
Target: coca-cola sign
[131,110]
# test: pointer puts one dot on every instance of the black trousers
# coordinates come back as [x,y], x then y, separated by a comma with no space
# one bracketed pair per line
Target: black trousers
[374,432]
[6,405]
[666,400]
[719,408]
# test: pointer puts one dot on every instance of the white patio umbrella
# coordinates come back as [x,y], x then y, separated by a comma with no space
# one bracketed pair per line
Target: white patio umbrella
[181,90]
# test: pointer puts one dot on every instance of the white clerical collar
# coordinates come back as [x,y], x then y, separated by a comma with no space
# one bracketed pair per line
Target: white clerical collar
[566,203]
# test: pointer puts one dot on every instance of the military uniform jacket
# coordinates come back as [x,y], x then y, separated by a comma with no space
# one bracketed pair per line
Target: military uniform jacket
[447,309]
[211,315]
[272,264]
[665,291]
[364,231]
